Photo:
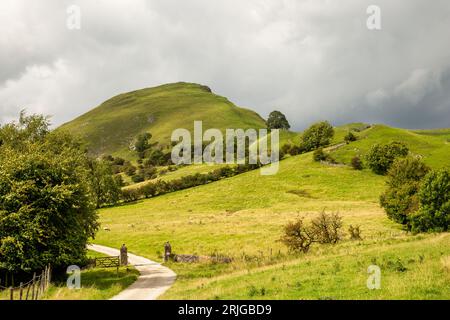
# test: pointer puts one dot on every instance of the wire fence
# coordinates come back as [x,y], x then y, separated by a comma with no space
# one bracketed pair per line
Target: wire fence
[31,290]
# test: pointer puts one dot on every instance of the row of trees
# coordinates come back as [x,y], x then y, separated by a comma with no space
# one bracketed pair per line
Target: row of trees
[160,187]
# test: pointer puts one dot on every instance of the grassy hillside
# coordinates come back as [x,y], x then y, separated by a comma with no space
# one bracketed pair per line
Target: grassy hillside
[111,127]
[243,217]
[432,145]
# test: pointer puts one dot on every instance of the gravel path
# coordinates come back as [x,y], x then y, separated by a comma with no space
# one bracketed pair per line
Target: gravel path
[154,280]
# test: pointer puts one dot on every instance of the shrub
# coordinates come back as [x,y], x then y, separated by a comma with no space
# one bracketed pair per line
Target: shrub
[400,199]
[148,190]
[350,137]
[316,136]
[119,161]
[297,237]
[434,199]
[381,157]
[295,150]
[138,178]
[326,228]
[319,155]
[357,163]
[129,195]
[130,170]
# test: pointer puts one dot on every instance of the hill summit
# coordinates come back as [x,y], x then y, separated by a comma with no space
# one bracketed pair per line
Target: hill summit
[112,127]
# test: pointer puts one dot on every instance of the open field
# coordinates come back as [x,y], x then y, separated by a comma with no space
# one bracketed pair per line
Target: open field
[242,217]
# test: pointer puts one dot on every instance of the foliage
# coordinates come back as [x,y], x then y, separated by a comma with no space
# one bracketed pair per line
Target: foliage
[400,199]
[277,120]
[316,136]
[357,163]
[434,198]
[381,157]
[296,236]
[320,155]
[142,144]
[326,228]
[47,206]
[350,137]
[106,187]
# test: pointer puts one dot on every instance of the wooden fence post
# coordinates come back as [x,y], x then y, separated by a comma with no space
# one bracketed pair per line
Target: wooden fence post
[28,291]
[32,286]
[21,291]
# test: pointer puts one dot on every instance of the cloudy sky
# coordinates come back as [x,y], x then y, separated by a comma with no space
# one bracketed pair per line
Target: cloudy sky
[312,59]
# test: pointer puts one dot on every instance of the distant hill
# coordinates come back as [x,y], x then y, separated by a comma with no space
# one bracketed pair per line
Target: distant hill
[111,127]
[432,145]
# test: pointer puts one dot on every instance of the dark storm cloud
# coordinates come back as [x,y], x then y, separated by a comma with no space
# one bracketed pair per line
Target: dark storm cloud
[311,59]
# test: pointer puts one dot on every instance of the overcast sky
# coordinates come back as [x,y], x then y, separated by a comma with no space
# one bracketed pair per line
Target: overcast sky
[311,59]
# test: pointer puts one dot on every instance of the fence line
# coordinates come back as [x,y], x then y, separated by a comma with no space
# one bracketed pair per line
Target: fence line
[38,285]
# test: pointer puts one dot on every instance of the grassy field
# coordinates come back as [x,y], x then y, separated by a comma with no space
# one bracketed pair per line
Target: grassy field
[242,217]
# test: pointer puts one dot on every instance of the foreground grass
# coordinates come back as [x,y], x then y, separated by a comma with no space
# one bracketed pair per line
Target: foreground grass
[243,217]
[96,284]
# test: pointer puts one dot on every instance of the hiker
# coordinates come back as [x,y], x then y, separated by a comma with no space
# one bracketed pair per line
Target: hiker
[167,251]
[124,255]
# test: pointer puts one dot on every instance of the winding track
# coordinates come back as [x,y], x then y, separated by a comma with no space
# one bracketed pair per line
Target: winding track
[154,280]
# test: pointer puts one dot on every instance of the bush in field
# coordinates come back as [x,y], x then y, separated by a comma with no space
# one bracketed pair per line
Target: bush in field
[400,199]
[381,157]
[47,203]
[326,228]
[357,163]
[434,202]
[319,155]
[297,237]
[316,136]
[350,137]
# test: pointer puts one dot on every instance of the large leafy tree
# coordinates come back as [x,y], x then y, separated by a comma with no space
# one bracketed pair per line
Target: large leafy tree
[434,198]
[106,186]
[381,157]
[400,200]
[47,207]
[277,120]
[317,136]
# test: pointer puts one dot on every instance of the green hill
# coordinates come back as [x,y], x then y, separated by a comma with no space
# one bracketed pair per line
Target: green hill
[243,217]
[432,145]
[111,127]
